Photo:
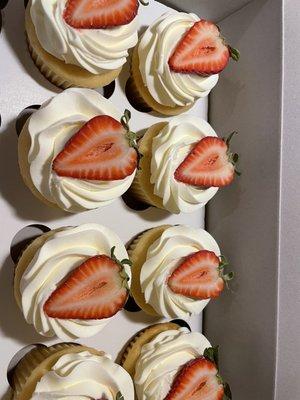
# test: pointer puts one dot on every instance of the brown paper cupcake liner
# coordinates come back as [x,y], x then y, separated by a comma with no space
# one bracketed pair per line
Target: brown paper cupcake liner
[137,251]
[133,349]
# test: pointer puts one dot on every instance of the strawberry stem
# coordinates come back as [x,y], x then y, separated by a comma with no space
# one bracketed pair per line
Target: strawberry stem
[234,53]
[226,277]
[212,354]
[132,137]
[232,157]
[116,260]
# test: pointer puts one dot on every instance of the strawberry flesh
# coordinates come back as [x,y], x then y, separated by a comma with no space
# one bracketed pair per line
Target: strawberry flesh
[100,150]
[197,380]
[198,276]
[201,51]
[99,14]
[96,289]
[208,164]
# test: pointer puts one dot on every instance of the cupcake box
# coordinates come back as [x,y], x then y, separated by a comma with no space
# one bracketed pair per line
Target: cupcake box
[20,208]
[243,218]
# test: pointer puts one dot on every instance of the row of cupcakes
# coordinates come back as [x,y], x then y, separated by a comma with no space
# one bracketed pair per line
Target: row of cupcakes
[162,362]
[69,282]
[77,152]
[85,43]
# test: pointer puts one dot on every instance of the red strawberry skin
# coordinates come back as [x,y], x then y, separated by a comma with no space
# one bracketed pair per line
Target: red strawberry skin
[198,276]
[207,165]
[201,51]
[197,380]
[98,151]
[97,14]
[94,290]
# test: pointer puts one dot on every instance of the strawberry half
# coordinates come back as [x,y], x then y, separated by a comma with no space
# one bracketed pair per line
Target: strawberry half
[103,149]
[210,163]
[96,14]
[200,276]
[202,51]
[199,379]
[96,289]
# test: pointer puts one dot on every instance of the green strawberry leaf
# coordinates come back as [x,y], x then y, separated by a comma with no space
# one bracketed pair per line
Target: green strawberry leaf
[212,354]
[119,396]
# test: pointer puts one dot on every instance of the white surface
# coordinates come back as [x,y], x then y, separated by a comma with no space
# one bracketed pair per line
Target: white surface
[21,85]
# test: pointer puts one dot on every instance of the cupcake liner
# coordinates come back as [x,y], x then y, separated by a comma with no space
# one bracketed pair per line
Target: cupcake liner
[25,377]
[36,363]
[142,189]
[142,94]
[134,96]
[133,349]
[137,251]
[57,71]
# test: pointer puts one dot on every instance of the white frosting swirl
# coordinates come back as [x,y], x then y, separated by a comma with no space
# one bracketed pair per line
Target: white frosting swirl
[169,149]
[84,376]
[162,358]
[155,48]
[49,129]
[163,257]
[62,252]
[96,50]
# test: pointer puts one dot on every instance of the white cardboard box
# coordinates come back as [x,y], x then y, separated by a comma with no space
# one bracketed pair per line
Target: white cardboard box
[256,221]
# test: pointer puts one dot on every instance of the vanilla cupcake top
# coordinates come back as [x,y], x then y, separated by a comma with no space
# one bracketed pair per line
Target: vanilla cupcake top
[155,48]
[84,376]
[169,148]
[102,146]
[78,35]
[166,254]
[162,358]
[65,288]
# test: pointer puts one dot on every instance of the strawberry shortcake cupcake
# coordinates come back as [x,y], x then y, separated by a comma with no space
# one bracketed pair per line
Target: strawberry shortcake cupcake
[77,152]
[183,165]
[70,281]
[167,362]
[176,62]
[67,370]
[81,42]
[176,270]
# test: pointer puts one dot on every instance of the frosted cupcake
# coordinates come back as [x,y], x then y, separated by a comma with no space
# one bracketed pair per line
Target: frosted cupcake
[76,152]
[69,282]
[176,270]
[183,164]
[176,62]
[70,371]
[167,362]
[81,42]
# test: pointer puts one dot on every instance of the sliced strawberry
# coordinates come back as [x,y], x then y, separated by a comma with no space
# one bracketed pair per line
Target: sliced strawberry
[197,380]
[200,276]
[96,289]
[100,150]
[96,14]
[210,163]
[202,51]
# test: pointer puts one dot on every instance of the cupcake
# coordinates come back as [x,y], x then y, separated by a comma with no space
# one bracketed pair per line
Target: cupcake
[67,370]
[76,151]
[183,164]
[176,62]
[81,42]
[70,281]
[167,362]
[176,270]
